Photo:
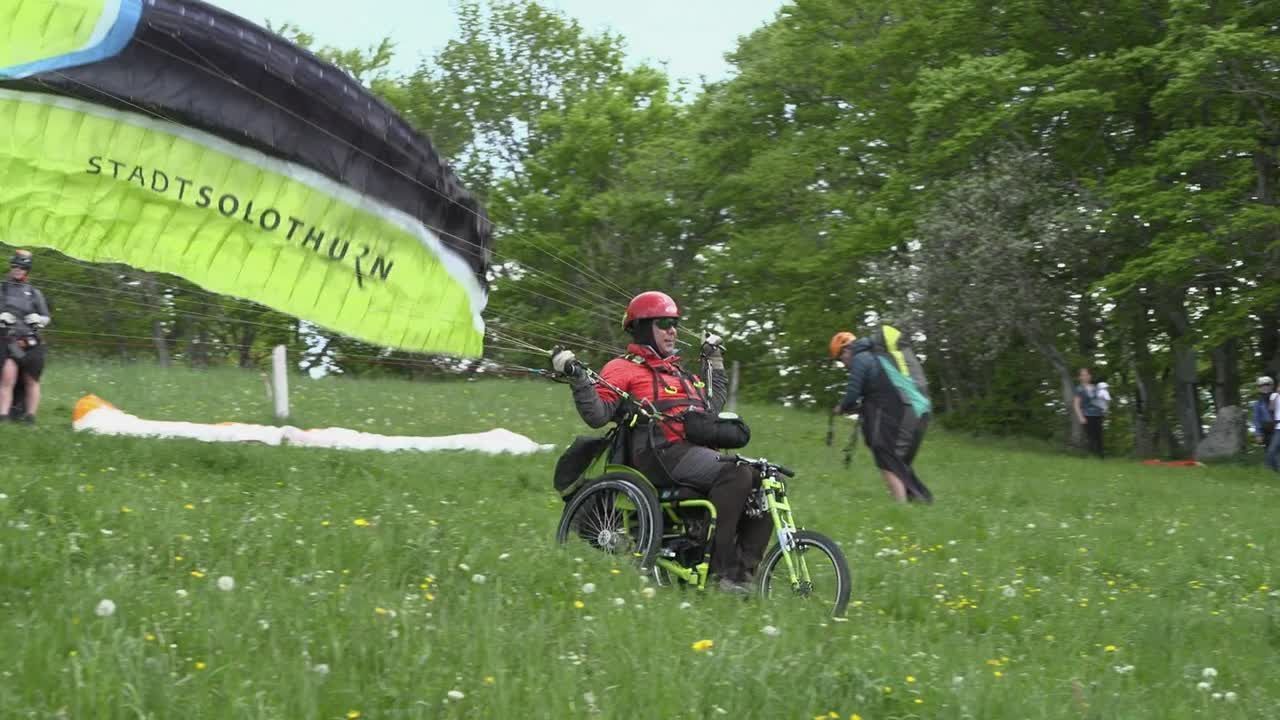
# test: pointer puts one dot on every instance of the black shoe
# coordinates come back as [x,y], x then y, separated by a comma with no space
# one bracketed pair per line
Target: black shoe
[733,587]
[28,419]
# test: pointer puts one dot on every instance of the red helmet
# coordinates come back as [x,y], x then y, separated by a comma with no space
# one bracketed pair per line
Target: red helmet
[646,305]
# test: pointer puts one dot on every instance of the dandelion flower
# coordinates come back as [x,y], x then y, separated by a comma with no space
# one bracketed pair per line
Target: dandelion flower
[649,592]
[489,680]
[359,522]
[106,608]
[1203,686]
[619,602]
[456,695]
[911,679]
[226,583]
[200,665]
[1209,673]
[1110,648]
[320,669]
[1230,696]
[588,588]
[353,714]
[771,631]
[478,579]
[180,593]
[703,645]
[579,604]
[197,574]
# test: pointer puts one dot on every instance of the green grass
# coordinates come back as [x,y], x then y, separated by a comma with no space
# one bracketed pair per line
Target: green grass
[1038,586]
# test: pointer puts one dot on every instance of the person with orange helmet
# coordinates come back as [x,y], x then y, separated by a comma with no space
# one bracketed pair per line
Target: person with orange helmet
[651,373]
[893,414]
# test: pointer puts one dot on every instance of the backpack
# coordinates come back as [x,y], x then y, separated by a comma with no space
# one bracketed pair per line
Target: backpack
[904,369]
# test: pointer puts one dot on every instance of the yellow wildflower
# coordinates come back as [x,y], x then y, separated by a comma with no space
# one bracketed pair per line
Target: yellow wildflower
[197,574]
[703,645]
[353,714]
[189,506]
[360,522]
[1110,648]
[200,665]
[489,680]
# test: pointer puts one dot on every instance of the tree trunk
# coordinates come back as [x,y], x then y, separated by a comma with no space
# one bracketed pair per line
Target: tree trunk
[1087,326]
[245,345]
[1269,345]
[1074,435]
[1226,375]
[161,342]
[1148,406]
[1187,407]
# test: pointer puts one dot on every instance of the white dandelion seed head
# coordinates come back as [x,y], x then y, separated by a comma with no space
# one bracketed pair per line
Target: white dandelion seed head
[320,669]
[1231,696]
[1123,669]
[588,588]
[619,602]
[1009,591]
[1217,696]
[686,605]
[957,680]
[649,592]
[226,583]
[180,593]
[456,695]
[464,567]
[478,579]
[771,631]
[1203,686]
[106,608]
[1209,673]
[504,556]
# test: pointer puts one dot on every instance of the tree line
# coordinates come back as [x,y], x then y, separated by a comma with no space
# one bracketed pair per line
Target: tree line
[1027,187]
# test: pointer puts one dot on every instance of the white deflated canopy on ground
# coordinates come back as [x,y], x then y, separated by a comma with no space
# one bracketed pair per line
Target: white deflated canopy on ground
[93,414]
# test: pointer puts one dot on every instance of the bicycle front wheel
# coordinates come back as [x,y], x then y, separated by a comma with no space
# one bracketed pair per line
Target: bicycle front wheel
[817,574]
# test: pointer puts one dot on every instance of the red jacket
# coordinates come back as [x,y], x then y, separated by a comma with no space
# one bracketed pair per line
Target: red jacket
[675,391]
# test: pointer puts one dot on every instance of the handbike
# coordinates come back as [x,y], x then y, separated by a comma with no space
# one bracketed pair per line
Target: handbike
[667,532]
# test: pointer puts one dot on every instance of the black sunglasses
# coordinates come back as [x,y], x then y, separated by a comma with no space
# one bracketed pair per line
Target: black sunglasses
[667,323]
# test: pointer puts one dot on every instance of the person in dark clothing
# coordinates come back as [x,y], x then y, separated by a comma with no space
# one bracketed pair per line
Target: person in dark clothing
[1264,420]
[651,372]
[893,422]
[1090,406]
[23,313]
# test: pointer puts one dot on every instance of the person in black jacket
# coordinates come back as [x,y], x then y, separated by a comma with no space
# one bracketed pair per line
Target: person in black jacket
[23,313]
[891,426]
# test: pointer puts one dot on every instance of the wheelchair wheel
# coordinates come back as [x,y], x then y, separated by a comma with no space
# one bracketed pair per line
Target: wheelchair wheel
[617,515]
[822,573]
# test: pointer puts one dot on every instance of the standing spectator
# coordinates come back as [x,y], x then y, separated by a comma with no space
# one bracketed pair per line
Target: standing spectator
[1090,404]
[1264,418]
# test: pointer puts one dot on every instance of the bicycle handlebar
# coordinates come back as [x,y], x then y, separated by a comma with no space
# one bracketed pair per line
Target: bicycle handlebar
[760,463]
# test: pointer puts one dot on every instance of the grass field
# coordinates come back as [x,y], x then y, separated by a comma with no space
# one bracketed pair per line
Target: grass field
[375,585]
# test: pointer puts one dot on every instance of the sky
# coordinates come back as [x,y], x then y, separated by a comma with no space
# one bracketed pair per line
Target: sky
[691,36]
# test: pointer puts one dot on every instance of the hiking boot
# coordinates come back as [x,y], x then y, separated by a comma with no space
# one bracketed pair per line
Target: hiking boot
[733,587]
[28,419]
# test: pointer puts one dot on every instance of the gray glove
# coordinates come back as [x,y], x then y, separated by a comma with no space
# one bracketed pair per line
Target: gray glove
[565,363]
[713,351]
[7,318]
[36,320]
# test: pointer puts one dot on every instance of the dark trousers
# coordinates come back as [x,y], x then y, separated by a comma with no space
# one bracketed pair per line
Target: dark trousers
[1093,433]
[740,541]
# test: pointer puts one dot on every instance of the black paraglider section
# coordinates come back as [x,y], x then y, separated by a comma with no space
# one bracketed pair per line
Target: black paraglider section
[201,66]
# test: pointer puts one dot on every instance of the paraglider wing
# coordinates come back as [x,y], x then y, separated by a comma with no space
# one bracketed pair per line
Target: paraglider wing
[172,136]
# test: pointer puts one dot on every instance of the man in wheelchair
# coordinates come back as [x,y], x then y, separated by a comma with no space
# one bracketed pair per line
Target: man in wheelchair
[650,372]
